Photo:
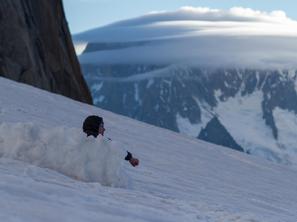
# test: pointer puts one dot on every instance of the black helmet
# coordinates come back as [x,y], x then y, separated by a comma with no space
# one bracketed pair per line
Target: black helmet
[91,125]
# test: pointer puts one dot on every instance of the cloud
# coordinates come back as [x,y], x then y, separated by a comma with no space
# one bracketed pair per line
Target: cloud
[188,13]
[240,37]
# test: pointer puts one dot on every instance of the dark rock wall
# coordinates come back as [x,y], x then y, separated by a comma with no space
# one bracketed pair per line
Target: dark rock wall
[215,132]
[36,48]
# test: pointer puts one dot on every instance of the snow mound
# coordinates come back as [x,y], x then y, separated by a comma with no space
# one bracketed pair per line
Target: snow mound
[65,150]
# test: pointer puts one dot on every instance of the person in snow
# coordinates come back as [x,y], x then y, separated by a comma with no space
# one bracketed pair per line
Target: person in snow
[94,126]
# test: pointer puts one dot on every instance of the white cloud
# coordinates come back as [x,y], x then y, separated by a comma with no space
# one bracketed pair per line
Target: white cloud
[236,37]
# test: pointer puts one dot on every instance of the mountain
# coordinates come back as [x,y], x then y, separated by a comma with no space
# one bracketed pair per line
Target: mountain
[36,48]
[227,77]
[179,178]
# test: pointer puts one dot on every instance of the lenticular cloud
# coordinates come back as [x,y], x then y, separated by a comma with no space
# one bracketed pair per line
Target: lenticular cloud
[238,37]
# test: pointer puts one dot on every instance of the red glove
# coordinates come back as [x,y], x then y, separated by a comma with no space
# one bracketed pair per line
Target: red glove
[134,162]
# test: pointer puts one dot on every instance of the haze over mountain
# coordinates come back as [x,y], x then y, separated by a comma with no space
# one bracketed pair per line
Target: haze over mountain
[228,77]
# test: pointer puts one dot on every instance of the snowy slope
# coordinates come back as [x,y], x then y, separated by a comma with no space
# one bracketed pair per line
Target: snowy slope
[179,179]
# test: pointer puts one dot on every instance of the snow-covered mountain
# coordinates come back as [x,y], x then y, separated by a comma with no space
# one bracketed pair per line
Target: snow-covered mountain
[227,77]
[179,179]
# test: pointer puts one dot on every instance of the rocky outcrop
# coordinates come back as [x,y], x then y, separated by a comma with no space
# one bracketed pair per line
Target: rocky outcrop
[36,48]
[215,132]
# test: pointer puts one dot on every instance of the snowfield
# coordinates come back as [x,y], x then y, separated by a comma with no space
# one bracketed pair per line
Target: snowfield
[50,172]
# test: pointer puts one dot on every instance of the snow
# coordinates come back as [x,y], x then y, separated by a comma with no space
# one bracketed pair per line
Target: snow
[98,100]
[238,37]
[149,83]
[286,122]
[80,47]
[187,128]
[249,130]
[79,157]
[179,178]
[136,92]
[97,87]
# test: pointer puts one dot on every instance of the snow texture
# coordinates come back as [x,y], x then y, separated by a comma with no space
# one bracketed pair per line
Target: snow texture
[179,178]
[250,131]
[66,150]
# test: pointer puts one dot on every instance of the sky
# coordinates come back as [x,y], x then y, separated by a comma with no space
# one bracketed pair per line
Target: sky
[83,15]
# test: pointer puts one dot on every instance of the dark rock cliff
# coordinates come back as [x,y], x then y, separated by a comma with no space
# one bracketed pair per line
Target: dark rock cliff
[216,133]
[36,48]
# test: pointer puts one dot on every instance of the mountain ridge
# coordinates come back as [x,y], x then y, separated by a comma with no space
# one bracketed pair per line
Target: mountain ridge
[169,97]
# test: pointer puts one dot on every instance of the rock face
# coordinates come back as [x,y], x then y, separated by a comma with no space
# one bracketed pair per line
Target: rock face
[216,133]
[36,48]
